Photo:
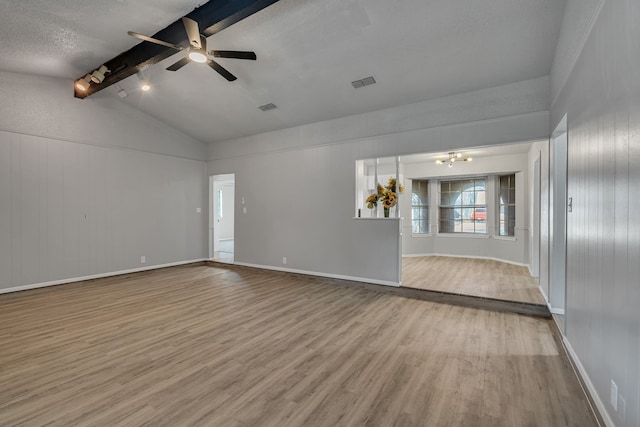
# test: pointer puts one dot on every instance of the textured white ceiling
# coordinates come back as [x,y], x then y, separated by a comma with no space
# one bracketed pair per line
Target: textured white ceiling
[308,52]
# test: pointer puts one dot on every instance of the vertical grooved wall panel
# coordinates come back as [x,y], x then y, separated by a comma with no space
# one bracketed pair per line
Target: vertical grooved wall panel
[602,103]
[72,210]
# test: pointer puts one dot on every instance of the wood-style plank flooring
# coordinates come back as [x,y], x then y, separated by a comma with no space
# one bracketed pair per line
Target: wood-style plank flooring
[213,346]
[469,276]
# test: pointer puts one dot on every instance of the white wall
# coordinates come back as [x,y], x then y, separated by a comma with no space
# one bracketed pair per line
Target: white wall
[299,184]
[515,250]
[602,101]
[91,205]
[45,106]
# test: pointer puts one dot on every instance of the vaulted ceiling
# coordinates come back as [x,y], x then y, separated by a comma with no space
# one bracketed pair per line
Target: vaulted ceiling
[308,53]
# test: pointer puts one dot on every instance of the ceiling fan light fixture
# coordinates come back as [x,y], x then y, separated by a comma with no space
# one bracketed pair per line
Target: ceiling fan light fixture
[144,84]
[197,56]
[84,83]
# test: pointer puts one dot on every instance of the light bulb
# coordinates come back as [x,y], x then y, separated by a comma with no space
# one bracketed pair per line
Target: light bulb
[145,87]
[84,83]
[197,56]
[98,75]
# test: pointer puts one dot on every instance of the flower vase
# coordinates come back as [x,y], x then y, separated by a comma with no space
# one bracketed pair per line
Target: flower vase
[386,212]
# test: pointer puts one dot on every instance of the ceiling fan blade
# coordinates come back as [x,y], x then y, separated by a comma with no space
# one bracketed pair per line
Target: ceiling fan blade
[221,70]
[175,67]
[193,32]
[233,54]
[152,40]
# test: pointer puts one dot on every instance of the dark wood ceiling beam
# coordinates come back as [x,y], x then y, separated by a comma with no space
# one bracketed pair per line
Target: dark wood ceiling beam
[212,17]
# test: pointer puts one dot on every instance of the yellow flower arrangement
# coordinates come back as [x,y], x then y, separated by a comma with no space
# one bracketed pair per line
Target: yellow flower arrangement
[387,195]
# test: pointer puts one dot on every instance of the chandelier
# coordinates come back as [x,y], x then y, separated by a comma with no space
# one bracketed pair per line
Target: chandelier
[453,157]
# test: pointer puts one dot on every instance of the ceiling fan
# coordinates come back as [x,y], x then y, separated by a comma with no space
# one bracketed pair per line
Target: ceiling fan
[197,50]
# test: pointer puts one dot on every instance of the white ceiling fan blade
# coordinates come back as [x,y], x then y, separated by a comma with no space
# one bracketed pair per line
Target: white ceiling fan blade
[193,32]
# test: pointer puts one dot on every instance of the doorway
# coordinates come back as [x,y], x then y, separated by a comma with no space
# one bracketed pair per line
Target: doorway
[221,218]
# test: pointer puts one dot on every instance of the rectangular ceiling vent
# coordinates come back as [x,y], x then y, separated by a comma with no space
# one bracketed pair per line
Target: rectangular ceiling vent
[267,107]
[363,82]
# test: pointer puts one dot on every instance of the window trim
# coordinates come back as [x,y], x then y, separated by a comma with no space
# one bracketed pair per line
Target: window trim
[509,206]
[426,205]
[475,206]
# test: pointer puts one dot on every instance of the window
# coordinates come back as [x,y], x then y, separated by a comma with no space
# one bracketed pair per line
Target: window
[507,205]
[463,206]
[419,206]
[219,203]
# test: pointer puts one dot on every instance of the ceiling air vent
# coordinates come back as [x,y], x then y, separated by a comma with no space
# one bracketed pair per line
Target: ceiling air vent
[267,107]
[364,82]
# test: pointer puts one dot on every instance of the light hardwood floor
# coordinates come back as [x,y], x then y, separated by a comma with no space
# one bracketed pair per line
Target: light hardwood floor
[469,276]
[214,346]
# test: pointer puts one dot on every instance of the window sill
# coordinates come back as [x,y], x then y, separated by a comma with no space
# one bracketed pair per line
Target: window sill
[463,235]
[507,238]
[377,219]
[421,235]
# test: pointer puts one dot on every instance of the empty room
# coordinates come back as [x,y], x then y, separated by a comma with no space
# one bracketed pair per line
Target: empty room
[320,213]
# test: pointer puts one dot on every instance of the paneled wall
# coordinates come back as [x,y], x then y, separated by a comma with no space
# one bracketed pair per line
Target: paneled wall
[602,101]
[72,209]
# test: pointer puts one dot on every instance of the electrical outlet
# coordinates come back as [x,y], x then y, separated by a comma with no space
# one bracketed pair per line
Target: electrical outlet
[198,210]
[244,209]
[143,259]
[284,259]
[613,395]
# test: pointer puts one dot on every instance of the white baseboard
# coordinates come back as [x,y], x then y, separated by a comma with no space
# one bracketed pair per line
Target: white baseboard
[531,271]
[521,264]
[552,310]
[95,276]
[315,273]
[587,381]
[544,295]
